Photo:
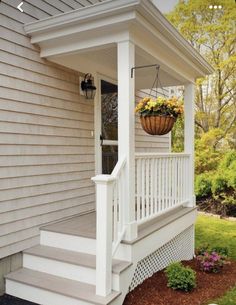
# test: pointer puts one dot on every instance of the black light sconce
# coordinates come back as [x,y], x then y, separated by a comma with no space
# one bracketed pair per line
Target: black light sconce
[87,86]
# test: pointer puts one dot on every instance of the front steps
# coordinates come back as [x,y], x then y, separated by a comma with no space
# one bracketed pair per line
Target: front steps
[62,271]
[47,289]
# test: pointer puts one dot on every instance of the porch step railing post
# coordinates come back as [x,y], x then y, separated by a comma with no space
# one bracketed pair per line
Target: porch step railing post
[104,194]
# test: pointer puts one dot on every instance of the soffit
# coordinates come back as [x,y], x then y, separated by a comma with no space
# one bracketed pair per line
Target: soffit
[105,23]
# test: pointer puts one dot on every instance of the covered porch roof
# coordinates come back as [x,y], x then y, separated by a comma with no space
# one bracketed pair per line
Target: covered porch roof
[86,40]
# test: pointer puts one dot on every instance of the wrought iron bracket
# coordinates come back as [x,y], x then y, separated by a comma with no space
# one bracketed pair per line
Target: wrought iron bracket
[142,67]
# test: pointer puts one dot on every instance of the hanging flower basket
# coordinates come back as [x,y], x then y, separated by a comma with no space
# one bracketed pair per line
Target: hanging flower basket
[157,124]
[157,116]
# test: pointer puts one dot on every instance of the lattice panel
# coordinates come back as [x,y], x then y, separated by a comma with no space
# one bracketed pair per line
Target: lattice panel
[178,249]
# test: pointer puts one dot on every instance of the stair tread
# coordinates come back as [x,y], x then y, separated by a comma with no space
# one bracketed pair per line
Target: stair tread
[52,283]
[73,257]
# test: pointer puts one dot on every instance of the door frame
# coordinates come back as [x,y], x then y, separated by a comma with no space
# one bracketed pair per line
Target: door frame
[98,123]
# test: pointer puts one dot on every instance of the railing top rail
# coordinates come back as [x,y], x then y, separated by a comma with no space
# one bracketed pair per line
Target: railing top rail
[160,155]
[117,169]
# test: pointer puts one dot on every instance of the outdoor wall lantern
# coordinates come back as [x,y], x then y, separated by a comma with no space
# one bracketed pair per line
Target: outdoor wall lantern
[87,86]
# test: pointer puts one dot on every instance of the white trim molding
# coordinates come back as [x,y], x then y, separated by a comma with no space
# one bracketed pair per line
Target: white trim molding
[116,21]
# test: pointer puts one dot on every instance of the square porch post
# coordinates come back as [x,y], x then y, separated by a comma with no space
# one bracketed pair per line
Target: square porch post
[126,130]
[189,123]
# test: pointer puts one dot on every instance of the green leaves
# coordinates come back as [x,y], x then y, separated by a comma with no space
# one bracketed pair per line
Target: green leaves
[180,277]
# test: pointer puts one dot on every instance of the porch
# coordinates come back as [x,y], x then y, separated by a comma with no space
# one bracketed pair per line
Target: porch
[147,203]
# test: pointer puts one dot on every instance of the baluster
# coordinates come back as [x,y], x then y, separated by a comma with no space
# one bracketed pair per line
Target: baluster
[143,187]
[164,182]
[155,186]
[175,180]
[147,187]
[167,183]
[152,182]
[171,182]
[115,216]
[179,180]
[161,184]
[138,186]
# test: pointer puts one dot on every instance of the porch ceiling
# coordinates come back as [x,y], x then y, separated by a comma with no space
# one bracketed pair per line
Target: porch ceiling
[90,35]
[104,61]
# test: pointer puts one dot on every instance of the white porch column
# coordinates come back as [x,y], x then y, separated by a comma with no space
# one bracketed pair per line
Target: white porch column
[189,136]
[126,129]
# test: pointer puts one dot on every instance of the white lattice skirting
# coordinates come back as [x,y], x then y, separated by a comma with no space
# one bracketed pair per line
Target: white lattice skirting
[179,248]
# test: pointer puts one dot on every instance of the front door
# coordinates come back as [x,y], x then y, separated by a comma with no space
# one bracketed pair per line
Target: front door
[109,126]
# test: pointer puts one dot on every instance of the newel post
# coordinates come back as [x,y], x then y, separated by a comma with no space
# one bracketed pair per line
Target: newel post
[104,191]
[189,122]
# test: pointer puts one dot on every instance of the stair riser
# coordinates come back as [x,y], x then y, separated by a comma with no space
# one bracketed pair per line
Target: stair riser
[68,242]
[40,296]
[80,244]
[66,270]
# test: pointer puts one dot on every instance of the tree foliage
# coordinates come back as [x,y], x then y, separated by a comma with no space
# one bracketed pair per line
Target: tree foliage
[213,33]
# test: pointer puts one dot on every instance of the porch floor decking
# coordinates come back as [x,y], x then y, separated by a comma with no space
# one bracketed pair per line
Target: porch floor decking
[85,225]
[81,225]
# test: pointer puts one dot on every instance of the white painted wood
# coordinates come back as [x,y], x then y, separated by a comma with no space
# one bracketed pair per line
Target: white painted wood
[68,242]
[104,196]
[189,138]
[162,180]
[160,237]
[126,131]
[150,22]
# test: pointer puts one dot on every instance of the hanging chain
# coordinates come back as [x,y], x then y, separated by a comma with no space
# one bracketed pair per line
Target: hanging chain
[156,80]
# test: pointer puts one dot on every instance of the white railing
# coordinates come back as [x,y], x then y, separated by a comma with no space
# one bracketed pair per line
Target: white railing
[110,227]
[118,204]
[161,183]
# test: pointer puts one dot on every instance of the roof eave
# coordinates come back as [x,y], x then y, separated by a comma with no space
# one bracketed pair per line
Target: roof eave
[112,8]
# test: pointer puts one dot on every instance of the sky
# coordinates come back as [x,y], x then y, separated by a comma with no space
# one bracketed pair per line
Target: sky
[165,6]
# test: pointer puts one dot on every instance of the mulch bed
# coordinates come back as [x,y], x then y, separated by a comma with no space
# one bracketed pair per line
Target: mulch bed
[210,286]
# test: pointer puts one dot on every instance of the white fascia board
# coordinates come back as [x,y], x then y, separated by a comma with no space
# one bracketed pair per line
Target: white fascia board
[78,16]
[96,26]
[105,14]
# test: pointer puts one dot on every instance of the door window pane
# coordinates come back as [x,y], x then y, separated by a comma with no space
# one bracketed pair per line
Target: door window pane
[109,158]
[109,105]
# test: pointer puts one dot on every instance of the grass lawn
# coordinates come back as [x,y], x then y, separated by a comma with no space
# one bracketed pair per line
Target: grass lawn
[218,232]
[228,299]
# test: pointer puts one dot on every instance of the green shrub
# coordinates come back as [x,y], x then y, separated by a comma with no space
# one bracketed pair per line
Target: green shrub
[202,249]
[180,277]
[223,251]
[218,184]
[231,175]
[227,160]
[202,185]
